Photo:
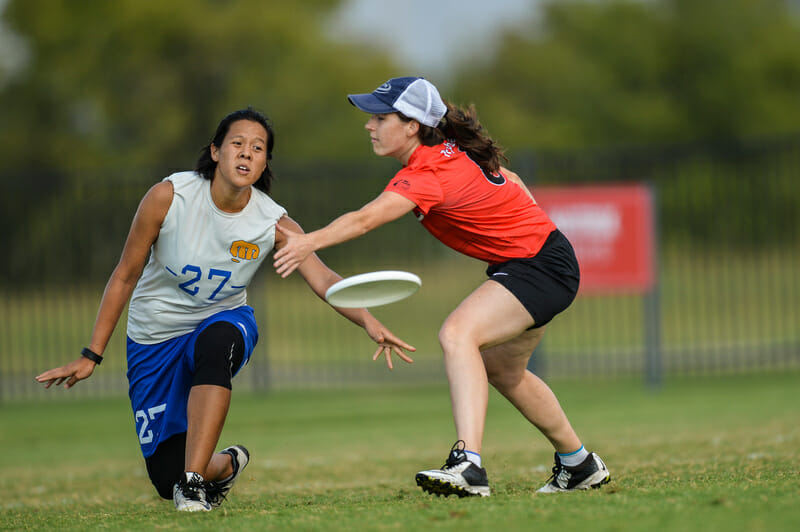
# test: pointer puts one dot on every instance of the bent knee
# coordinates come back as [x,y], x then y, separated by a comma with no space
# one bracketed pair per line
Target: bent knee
[218,353]
[452,338]
[503,378]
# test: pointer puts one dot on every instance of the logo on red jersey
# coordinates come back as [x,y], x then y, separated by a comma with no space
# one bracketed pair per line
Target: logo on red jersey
[402,183]
[449,149]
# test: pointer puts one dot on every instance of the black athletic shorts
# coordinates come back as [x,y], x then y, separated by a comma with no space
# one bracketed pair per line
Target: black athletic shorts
[545,284]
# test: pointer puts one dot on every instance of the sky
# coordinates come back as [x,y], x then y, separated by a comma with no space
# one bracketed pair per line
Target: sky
[429,37]
[13,53]
[426,37]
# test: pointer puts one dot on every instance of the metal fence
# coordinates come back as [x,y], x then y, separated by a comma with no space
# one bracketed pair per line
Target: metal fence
[728,295]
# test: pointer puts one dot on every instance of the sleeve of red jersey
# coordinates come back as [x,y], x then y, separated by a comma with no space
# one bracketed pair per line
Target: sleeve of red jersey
[420,187]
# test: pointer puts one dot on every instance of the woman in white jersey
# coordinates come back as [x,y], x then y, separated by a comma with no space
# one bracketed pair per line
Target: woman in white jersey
[190,329]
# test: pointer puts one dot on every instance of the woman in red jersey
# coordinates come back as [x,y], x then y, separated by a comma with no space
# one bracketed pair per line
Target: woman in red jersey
[453,181]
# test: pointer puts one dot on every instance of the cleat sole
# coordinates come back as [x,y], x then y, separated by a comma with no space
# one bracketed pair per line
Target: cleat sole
[438,487]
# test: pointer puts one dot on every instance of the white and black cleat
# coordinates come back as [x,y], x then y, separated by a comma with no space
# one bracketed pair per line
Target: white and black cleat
[592,473]
[458,476]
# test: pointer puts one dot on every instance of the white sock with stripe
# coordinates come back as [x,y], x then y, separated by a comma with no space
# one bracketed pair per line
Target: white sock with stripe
[574,458]
[475,458]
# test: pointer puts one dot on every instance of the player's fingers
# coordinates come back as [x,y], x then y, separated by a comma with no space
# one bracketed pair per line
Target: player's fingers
[377,353]
[397,341]
[287,271]
[48,375]
[389,358]
[404,356]
[282,256]
[283,268]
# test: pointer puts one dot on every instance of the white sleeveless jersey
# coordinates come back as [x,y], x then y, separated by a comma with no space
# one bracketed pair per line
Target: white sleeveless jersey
[202,261]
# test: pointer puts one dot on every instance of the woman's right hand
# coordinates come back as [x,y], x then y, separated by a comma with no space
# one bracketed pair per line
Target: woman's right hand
[292,249]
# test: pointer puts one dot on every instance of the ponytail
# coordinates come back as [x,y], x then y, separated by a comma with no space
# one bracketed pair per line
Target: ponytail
[463,127]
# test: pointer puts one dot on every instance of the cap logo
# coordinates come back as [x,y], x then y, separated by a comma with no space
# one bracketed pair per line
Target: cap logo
[415,98]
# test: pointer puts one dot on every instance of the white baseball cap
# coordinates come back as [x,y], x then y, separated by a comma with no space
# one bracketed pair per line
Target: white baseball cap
[414,97]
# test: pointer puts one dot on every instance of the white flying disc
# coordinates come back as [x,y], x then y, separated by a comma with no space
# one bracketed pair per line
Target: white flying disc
[372,289]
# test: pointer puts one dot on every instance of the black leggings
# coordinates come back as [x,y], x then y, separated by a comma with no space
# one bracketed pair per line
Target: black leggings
[165,466]
[218,353]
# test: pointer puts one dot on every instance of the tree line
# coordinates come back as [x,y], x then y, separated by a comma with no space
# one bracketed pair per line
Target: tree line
[125,92]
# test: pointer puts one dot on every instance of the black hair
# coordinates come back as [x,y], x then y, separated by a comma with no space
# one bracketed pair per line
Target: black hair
[464,128]
[206,166]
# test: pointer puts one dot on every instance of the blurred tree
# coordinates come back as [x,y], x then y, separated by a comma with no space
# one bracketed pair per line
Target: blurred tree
[126,92]
[142,83]
[593,73]
[129,90]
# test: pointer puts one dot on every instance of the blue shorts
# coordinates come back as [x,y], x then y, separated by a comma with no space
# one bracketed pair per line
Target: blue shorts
[160,377]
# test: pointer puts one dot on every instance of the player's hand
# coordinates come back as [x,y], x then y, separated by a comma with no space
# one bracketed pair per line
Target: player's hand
[291,254]
[388,343]
[75,371]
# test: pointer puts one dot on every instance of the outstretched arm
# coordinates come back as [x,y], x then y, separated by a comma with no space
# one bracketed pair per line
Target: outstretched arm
[319,278]
[383,209]
[144,231]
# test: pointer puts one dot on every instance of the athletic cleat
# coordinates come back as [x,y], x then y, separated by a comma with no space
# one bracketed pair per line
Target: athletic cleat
[190,495]
[217,491]
[592,473]
[458,476]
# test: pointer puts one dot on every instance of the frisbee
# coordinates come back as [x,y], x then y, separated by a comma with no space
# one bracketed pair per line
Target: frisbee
[372,289]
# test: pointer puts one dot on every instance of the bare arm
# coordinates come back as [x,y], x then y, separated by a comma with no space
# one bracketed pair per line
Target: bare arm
[385,208]
[143,233]
[319,278]
[516,179]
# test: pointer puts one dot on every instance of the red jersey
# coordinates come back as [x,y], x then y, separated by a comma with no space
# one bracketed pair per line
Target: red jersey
[484,216]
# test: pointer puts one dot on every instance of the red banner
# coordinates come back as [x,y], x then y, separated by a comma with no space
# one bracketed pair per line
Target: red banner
[612,229]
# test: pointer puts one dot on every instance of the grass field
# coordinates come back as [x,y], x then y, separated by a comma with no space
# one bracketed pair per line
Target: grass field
[705,454]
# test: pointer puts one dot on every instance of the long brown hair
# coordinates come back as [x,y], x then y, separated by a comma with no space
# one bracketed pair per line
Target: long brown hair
[463,127]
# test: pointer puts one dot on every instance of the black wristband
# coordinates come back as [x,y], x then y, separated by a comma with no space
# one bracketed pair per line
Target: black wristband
[91,355]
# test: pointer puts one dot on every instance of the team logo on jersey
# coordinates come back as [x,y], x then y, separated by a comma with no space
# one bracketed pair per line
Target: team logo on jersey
[402,183]
[449,148]
[244,250]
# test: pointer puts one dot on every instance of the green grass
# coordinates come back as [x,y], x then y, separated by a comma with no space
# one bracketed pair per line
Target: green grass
[702,454]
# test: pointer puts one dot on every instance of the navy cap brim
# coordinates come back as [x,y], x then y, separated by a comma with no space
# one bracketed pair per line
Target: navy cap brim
[369,103]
